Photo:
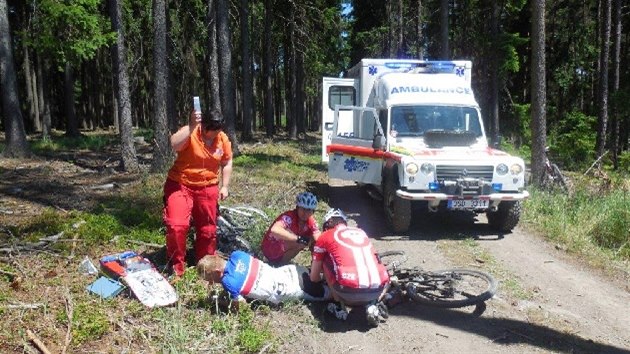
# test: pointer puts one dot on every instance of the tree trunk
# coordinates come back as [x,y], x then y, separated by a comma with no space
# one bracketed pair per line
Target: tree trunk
[121,77]
[16,144]
[419,25]
[400,27]
[280,104]
[162,153]
[444,46]
[494,73]
[300,97]
[213,65]
[389,14]
[290,74]
[72,124]
[224,51]
[248,91]
[539,96]
[267,70]
[615,82]
[31,94]
[602,93]
[44,97]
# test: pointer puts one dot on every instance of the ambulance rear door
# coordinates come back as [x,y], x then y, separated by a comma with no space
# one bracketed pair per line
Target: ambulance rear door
[337,91]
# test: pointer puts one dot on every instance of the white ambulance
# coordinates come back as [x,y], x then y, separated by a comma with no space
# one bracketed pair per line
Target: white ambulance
[413,131]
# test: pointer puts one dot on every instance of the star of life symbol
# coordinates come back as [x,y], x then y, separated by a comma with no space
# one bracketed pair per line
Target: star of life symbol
[240,267]
[372,70]
[354,165]
[460,71]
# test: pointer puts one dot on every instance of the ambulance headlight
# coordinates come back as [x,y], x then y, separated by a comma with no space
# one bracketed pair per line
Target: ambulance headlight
[502,169]
[516,169]
[427,168]
[411,169]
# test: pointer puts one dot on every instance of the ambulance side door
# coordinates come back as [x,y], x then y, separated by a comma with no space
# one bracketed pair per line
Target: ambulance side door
[353,155]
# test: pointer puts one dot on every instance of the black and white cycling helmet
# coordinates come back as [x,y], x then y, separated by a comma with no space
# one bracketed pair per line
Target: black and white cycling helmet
[335,213]
[306,200]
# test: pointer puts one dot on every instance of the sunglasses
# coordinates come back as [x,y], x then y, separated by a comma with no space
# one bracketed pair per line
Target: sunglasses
[214,126]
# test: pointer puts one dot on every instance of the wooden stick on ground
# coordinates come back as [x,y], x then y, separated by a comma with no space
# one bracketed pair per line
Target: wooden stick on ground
[70,314]
[38,343]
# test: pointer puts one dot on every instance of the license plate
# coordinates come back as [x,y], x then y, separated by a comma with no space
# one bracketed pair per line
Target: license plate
[467,204]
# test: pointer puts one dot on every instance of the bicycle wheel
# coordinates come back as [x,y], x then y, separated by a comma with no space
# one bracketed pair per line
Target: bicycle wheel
[242,216]
[227,245]
[392,260]
[452,288]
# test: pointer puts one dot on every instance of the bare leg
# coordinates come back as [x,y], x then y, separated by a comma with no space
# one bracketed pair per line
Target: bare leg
[290,253]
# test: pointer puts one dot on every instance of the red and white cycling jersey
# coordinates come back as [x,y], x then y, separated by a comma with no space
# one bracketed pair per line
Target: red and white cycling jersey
[274,248]
[352,256]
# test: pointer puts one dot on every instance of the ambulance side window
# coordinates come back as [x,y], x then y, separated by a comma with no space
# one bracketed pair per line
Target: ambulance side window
[366,127]
[342,95]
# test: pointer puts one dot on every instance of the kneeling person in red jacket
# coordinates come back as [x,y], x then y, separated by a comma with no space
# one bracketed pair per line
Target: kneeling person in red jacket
[351,269]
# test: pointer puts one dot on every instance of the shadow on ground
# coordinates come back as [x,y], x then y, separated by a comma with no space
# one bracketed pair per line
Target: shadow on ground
[505,331]
[368,214]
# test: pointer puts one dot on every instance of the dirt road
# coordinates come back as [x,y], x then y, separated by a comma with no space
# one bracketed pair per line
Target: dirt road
[547,302]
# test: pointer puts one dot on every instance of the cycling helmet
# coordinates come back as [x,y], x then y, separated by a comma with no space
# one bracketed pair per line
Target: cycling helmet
[306,200]
[335,213]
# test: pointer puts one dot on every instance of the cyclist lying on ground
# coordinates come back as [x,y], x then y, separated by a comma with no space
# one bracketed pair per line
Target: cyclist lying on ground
[351,269]
[244,276]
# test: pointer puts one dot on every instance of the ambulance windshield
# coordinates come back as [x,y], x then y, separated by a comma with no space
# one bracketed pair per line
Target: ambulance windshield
[413,121]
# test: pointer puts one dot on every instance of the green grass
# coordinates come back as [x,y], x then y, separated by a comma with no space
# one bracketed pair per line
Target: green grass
[89,321]
[588,222]
[90,140]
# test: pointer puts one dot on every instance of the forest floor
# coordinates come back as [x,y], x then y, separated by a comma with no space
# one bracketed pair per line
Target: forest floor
[548,301]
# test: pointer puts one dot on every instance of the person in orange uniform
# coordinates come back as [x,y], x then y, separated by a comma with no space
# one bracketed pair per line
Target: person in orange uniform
[197,181]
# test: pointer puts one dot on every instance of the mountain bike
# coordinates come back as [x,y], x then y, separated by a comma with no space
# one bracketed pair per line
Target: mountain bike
[450,288]
[232,223]
[552,176]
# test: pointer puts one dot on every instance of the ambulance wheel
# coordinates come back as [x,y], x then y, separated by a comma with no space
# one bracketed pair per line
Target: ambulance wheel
[506,217]
[397,210]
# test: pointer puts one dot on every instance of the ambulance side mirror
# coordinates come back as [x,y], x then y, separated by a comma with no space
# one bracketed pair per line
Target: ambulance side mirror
[379,142]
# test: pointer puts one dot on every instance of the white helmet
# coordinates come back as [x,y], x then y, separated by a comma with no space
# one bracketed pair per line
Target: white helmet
[306,200]
[335,213]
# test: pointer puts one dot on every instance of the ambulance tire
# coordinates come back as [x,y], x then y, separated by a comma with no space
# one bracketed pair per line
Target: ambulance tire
[397,210]
[506,217]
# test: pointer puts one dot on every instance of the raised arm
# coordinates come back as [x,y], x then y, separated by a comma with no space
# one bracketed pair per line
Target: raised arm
[180,139]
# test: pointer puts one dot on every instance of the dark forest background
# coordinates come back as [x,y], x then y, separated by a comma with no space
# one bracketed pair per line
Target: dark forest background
[545,73]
